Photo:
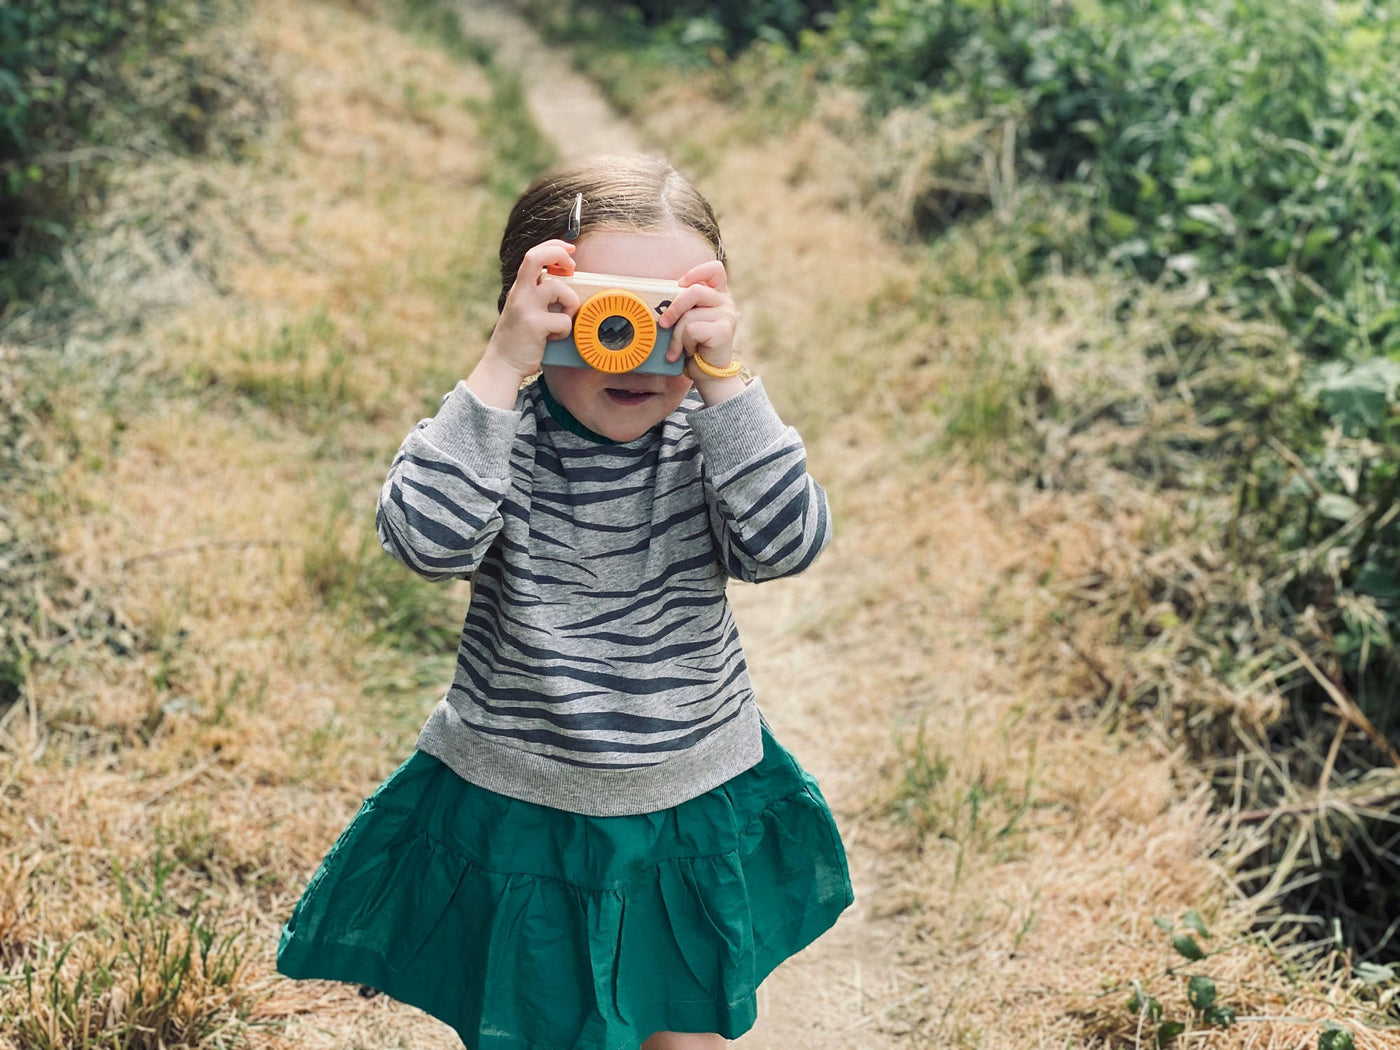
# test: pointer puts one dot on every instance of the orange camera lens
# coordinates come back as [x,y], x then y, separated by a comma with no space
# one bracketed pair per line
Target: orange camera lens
[614,331]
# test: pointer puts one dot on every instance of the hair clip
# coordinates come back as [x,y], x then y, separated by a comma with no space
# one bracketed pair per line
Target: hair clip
[575,222]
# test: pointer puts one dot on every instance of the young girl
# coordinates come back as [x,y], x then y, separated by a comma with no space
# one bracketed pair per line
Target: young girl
[597,845]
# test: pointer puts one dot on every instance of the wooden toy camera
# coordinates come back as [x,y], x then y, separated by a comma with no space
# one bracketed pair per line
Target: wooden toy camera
[615,329]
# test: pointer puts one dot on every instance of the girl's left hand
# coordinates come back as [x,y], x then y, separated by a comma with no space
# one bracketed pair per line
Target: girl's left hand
[703,318]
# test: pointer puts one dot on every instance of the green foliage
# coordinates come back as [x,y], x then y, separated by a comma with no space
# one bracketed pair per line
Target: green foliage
[1201,991]
[1187,947]
[726,26]
[1339,514]
[1246,141]
[1242,146]
[78,84]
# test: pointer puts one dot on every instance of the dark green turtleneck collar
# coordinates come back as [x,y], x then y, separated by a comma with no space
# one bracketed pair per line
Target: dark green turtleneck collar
[566,419]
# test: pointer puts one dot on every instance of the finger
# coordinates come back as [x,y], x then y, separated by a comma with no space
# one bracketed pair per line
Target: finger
[695,296]
[708,332]
[560,295]
[678,347]
[711,338]
[556,253]
[723,311]
[557,326]
[710,273]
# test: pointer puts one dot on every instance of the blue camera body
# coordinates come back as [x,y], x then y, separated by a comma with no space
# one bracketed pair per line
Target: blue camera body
[615,329]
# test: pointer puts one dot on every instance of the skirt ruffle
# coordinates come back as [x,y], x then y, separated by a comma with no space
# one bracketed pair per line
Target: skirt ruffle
[530,928]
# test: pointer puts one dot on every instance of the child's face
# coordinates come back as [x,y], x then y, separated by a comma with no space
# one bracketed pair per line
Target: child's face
[623,407]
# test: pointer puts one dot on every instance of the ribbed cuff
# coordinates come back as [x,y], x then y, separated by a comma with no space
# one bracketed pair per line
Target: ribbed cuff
[738,430]
[473,434]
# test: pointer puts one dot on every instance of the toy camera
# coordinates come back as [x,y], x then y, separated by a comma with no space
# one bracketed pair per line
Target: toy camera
[615,329]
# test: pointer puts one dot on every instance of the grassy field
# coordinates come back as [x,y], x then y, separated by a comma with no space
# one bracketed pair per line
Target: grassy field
[224,663]
[210,663]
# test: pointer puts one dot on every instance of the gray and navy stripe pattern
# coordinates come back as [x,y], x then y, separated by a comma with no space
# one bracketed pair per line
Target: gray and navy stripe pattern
[600,670]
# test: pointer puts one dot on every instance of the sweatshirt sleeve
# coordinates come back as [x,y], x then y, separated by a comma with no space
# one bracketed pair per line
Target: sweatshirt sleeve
[770,517]
[440,508]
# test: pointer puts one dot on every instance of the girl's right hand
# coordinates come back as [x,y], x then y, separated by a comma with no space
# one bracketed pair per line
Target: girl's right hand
[536,310]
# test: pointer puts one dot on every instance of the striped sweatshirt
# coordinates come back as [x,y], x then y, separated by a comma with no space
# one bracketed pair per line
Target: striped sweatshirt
[600,669]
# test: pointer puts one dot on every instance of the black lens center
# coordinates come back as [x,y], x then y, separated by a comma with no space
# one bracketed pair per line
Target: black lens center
[616,332]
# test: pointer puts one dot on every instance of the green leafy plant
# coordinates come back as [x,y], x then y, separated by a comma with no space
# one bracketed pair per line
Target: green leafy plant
[1235,150]
[72,95]
[1202,994]
[726,26]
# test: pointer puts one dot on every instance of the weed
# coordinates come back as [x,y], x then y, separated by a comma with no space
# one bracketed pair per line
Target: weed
[977,807]
[985,414]
[440,24]
[505,121]
[300,371]
[1148,1021]
[158,974]
[92,87]
[923,772]
[520,151]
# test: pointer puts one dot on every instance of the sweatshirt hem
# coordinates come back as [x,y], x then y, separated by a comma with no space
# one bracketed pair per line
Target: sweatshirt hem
[725,753]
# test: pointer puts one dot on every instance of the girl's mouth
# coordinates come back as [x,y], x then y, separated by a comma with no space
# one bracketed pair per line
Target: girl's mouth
[628,397]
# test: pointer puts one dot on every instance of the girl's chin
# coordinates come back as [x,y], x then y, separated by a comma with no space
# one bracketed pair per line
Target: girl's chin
[624,433]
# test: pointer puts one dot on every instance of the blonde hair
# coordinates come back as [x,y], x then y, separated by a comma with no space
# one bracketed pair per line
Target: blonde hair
[620,194]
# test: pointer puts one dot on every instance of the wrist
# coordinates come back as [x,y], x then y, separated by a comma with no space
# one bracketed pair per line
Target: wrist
[716,382]
[715,391]
[496,380]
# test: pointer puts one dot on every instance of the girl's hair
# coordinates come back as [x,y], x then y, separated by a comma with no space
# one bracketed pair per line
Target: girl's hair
[620,194]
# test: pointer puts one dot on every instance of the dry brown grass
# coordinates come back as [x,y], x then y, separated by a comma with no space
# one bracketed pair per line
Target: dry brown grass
[217,755]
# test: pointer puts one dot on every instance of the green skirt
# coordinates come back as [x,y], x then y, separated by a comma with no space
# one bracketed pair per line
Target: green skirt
[530,928]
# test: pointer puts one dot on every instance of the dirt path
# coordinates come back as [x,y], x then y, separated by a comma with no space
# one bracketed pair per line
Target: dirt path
[842,991]
[566,107]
